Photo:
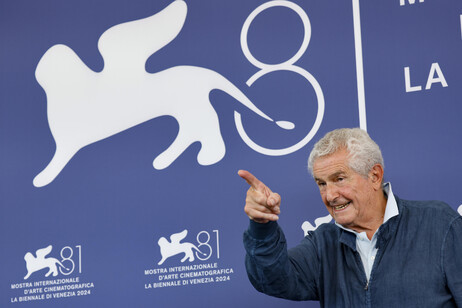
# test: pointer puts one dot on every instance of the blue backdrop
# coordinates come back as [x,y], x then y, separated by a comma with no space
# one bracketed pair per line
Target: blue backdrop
[103,227]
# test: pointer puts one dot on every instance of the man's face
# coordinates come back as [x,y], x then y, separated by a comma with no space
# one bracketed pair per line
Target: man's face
[346,194]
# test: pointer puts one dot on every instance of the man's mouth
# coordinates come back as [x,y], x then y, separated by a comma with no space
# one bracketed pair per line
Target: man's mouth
[341,207]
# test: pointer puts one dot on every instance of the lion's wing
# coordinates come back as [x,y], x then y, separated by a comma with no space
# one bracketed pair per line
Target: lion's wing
[42,253]
[130,44]
[177,237]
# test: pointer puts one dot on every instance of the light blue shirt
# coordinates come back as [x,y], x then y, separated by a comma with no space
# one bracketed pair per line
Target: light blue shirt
[364,246]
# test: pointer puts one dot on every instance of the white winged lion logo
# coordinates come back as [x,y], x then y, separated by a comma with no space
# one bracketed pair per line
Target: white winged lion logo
[174,247]
[34,264]
[84,106]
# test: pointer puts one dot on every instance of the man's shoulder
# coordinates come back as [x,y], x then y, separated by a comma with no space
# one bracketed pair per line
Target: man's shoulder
[433,208]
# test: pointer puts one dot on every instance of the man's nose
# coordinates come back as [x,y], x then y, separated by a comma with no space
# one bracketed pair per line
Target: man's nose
[331,193]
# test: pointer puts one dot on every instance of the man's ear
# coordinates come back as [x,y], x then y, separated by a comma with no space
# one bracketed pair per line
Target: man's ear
[376,176]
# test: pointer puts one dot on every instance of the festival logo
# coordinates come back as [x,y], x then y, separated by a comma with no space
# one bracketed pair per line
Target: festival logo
[203,258]
[85,106]
[62,273]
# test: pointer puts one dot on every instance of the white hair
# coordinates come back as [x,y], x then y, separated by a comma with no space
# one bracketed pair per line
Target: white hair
[363,152]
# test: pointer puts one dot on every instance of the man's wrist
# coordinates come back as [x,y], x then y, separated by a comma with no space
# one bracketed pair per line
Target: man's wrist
[260,231]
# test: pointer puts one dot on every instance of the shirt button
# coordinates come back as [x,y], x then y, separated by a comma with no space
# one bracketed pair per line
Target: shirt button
[373,258]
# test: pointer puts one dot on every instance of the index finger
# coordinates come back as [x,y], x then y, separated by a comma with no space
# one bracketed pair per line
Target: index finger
[251,180]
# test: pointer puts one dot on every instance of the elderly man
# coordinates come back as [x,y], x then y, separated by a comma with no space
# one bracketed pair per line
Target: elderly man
[382,251]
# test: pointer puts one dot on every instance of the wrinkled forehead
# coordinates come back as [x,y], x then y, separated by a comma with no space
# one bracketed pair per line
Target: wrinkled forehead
[332,163]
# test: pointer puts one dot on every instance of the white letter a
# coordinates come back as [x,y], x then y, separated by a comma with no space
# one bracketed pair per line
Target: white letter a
[432,79]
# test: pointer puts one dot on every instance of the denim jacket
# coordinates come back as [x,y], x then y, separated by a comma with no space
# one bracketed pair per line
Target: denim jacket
[418,263]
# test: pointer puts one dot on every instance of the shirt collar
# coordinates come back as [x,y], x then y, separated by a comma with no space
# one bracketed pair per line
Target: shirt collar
[391,209]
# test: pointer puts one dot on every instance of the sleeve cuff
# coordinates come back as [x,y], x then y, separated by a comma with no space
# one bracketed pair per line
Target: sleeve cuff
[261,231]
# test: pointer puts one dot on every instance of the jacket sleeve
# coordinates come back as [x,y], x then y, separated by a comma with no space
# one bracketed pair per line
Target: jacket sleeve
[452,260]
[274,270]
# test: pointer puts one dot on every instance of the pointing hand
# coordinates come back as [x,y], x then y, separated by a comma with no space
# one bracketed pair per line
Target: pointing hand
[261,204]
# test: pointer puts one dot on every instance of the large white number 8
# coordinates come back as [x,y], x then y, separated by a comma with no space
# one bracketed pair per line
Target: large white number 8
[284,66]
[69,259]
[206,244]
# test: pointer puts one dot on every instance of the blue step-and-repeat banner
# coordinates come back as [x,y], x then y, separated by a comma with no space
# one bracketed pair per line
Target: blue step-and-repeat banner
[123,125]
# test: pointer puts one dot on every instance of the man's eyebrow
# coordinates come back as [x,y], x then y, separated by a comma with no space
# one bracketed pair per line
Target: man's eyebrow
[336,174]
[331,176]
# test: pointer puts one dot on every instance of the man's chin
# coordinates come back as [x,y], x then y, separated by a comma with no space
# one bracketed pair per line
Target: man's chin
[341,219]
